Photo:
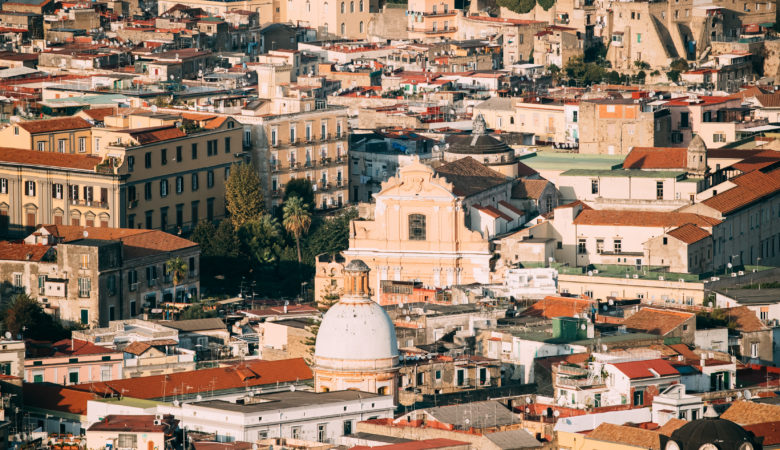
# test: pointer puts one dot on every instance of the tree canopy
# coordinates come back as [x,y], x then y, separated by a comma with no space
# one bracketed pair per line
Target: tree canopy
[300,187]
[244,194]
[518,6]
[24,315]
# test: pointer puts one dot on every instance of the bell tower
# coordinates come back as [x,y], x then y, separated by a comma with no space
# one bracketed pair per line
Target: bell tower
[696,156]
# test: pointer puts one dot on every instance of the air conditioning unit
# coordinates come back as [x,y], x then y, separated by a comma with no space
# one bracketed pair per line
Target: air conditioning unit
[740,273]
[661,278]
[157,422]
[636,276]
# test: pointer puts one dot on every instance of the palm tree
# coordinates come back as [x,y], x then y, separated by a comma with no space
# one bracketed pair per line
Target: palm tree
[297,220]
[177,269]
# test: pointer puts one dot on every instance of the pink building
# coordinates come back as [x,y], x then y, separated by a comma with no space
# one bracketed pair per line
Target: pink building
[71,361]
[431,19]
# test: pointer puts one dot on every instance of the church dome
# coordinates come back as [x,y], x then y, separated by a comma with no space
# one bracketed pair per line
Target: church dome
[356,333]
[475,144]
[711,432]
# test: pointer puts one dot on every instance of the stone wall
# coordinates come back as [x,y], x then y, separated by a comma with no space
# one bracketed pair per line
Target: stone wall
[388,24]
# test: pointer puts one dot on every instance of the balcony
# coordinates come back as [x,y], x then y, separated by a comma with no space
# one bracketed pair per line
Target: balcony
[432,30]
[581,382]
[94,204]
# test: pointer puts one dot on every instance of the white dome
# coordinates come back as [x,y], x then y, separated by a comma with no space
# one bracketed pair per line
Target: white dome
[356,333]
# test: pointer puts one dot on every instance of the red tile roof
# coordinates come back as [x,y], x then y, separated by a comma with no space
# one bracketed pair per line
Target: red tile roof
[642,218]
[48,159]
[509,206]
[493,212]
[252,373]
[703,100]
[142,423]
[550,307]
[656,158]
[750,188]
[746,319]
[770,431]
[100,114]
[689,233]
[76,347]
[657,321]
[137,242]
[529,188]
[524,170]
[54,397]
[51,125]
[157,135]
[642,369]
[10,251]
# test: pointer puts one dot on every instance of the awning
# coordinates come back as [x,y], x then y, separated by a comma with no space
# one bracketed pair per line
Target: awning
[767,25]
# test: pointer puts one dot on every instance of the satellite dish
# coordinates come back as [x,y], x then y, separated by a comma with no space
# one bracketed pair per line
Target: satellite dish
[611,302]
[528,399]
[408,319]
[604,347]
[729,265]
[604,307]
[8,335]
[198,397]
[556,413]
[86,234]
[582,327]
[590,273]
[292,388]
[746,393]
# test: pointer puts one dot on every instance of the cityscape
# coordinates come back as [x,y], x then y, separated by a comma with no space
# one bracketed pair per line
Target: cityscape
[389,224]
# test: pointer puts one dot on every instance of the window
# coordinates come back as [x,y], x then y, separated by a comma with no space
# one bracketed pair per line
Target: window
[599,246]
[151,275]
[348,423]
[3,185]
[665,240]
[295,432]
[130,163]
[41,146]
[195,151]
[639,38]
[227,173]
[719,137]
[147,191]
[754,350]
[41,283]
[132,280]
[574,116]
[343,8]
[179,185]
[148,160]
[163,188]
[352,6]
[17,280]
[127,441]
[659,190]
[343,29]
[274,137]
[210,179]
[227,144]
[618,245]
[61,144]
[84,261]
[684,120]
[292,133]
[639,398]
[149,219]
[416,227]
[194,182]
[56,191]
[322,432]
[164,156]
[82,145]
[16,131]
[594,186]
[581,249]
[85,286]
[73,376]
[178,153]
[29,189]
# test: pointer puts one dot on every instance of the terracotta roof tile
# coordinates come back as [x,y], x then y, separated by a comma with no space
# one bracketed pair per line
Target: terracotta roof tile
[529,188]
[748,413]
[770,431]
[644,369]
[10,251]
[51,125]
[621,434]
[669,427]
[769,100]
[689,233]
[656,158]
[656,321]
[205,380]
[55,397]
[751,187]
[48,159]
[77,347]
[642,218]
[425,444]
[468,176]
[141,423]
[493,212]
[156,135]
[137,348]
[137,242]
[524,171]
[550,307]
[746,319]
[99,114]
[758,161]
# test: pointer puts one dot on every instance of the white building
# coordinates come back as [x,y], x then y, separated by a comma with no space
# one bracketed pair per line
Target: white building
[322,416]
[674,403]
[531,283]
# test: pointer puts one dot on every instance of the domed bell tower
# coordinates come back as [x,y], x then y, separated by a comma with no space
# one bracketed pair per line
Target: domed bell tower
[356,345]
[697,156]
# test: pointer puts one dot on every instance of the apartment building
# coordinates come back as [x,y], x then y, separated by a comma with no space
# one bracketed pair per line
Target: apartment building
[716,119]
[518,35]
[556,45]
[333,19]
[312,145]
[72,361]
[431,19]
[173,166]
[545,119]
[92,275]
[614,126]
[62,135]
[59,188]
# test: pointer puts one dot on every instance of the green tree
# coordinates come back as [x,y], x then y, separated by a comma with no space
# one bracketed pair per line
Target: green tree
[197,311]
[518,6]
[243,194]
[262,239]
[297,220]
[300,187]
[24,315]
[546,4]
[203,234]
[673,75]
[225,240]
[332,235]
[639,64]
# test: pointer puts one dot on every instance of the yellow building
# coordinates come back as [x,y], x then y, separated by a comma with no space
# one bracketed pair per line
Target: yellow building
[311,145]
[431,19]
[417,231]
[333,18]
[62,135]
[63,189]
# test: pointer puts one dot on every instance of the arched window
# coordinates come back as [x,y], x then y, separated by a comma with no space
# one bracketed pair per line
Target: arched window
[343,7]
[512,120]
[361,5]
[343,28]
[352,6]
[361,27]
[416,227]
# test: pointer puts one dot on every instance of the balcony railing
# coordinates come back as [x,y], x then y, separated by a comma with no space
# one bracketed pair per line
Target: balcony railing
[91,203]
[432,30]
